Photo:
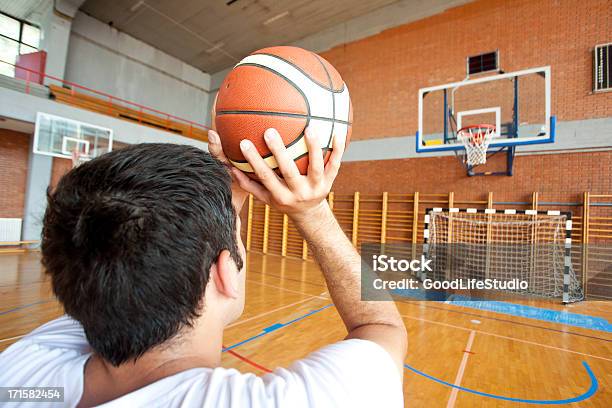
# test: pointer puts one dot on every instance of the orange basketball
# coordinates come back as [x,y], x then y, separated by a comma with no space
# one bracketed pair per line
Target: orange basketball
[286,88]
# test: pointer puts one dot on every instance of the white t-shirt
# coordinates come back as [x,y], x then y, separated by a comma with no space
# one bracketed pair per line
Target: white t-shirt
[350,373]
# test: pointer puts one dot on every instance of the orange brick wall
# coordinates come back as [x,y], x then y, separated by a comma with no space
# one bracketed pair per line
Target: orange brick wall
[385,71]
[14,151]
[558,177]
[59,168]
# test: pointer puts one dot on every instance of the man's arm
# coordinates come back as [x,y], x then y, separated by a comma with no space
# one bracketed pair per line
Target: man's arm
[377,321]
[302,198]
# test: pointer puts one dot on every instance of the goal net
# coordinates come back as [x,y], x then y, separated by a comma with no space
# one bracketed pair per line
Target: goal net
[531,246]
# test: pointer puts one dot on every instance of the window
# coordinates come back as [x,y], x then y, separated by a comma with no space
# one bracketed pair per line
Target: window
[482,63]
[601,62]
[16,38]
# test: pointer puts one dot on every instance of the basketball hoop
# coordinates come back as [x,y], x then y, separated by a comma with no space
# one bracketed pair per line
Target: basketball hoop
[476,139]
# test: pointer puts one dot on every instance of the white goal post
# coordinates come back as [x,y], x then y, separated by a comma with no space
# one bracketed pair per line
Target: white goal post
[530,245]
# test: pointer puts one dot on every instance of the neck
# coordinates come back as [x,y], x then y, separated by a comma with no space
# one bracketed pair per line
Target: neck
[198,348]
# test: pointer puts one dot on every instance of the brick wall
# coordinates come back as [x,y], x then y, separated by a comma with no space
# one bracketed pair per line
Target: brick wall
[14,151]
[59,168]
[385,71]
[558,177]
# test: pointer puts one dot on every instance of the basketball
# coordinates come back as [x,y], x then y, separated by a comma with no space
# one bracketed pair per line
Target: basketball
[286,88]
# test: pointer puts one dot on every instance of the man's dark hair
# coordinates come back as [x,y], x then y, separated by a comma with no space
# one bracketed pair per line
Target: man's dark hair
[129,239]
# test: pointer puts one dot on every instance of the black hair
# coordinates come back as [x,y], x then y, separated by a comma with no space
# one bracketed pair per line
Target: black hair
[129,239]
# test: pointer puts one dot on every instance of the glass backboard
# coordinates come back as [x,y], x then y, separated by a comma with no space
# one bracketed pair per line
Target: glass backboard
[62,137]
[516,103]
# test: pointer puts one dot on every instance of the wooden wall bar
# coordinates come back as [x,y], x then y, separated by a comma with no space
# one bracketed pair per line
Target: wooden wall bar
[398,218]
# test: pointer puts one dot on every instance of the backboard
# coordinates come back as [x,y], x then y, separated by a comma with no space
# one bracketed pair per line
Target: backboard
[517,103]
[62,137]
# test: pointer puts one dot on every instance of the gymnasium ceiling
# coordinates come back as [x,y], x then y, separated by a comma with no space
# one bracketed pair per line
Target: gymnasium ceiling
[215,34]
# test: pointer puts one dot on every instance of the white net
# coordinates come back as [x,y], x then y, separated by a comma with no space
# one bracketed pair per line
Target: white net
[532,248]
[476,140]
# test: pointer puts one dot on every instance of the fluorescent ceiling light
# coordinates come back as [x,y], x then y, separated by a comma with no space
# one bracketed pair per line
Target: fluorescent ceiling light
[276,17]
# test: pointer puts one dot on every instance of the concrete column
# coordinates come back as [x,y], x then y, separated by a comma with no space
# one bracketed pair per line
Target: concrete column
[38,179]
[55,37]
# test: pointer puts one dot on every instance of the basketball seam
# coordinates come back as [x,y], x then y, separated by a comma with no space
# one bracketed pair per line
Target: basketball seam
[290,82]
[288,114]
[331,88]
[324,149]
[331,85]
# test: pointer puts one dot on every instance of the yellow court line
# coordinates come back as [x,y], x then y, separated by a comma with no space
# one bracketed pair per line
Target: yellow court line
[508,338]
[466,354]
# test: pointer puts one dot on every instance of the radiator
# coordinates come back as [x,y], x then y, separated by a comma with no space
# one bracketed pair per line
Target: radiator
[10,229]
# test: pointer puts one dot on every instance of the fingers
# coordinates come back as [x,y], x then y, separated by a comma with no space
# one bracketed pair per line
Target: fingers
[251,186]
[333,165]
[315,155]
[285,163]
[265,174]
[214,146]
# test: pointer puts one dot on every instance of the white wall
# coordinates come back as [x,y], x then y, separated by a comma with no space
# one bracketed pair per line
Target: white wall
[102,58]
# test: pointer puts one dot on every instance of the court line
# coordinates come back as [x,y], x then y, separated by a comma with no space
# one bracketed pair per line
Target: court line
[287,290]
[13,338]
[275,327]
[248,361]
[508,337]
[239,322]
[15,285]
[564,317]
[26,306]
[321,285]
[587,394]
[590,392]
[461,371]
[450,310]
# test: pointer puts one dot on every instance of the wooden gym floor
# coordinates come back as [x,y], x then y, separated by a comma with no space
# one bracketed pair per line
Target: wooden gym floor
[457,356]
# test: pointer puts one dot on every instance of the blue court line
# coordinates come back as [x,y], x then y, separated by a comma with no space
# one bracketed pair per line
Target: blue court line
[513,309]
[588,394]
[537,313]
[275,327]
[25,306]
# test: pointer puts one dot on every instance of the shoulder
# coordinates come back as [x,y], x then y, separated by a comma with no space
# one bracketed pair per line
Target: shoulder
[48,356]
[351,372]
[63,332]
[355,373]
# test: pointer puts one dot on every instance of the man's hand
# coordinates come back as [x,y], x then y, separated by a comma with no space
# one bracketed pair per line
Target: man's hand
[215,149]
[299,196]
[302,197]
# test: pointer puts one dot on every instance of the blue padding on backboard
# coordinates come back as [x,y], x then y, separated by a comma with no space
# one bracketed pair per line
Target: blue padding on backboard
[518,142]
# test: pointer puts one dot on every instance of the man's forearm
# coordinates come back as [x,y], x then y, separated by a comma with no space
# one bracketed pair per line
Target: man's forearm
[341,267]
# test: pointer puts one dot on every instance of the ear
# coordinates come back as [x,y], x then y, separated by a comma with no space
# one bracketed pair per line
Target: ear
[226,276]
